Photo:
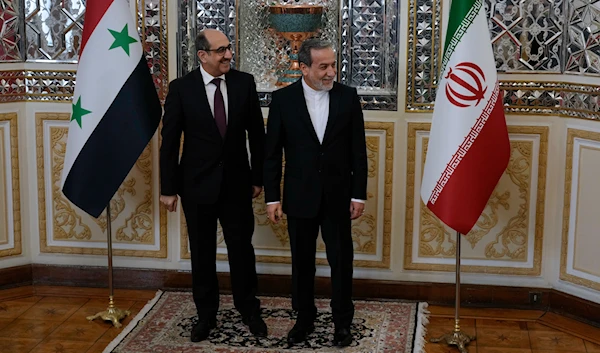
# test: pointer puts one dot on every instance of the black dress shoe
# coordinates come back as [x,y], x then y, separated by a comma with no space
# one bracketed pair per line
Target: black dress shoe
[342,337]
[299,332]
[256,325]
[201,330]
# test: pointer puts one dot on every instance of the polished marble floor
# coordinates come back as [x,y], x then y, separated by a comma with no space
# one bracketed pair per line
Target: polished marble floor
[53,320]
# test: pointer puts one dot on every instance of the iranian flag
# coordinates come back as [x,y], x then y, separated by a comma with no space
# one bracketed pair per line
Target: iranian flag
[116,109]
[468,147]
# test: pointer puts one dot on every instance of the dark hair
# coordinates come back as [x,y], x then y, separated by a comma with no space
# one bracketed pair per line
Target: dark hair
[308,45]
[201,42]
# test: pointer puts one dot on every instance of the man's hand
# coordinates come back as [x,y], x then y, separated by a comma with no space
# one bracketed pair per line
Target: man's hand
[356,209]
[274,212]
[256,191]
[170,202]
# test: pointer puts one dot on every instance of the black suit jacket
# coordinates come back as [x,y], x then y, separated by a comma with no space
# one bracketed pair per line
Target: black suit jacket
[335,169]
[207,159]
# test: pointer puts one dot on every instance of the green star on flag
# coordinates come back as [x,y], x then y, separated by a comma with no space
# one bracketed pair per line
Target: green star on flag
[99,155]
[78,112]
[122,39]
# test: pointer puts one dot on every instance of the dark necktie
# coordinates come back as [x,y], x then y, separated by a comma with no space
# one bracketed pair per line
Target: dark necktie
[219,108]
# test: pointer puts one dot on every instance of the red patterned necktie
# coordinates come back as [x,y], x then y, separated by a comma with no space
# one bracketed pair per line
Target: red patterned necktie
[219,108]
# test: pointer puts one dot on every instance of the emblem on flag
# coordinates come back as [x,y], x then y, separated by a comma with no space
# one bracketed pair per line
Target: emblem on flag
[465,85]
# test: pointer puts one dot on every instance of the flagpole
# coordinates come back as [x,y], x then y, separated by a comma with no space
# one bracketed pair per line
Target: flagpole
[112,313]
[457,337]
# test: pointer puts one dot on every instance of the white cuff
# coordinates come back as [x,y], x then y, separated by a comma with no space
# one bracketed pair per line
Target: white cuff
[357,200]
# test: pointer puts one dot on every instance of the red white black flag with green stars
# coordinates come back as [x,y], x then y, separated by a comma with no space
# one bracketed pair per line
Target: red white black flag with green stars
[116,109]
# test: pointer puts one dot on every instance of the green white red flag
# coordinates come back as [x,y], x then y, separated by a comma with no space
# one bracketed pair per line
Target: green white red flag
[468,148]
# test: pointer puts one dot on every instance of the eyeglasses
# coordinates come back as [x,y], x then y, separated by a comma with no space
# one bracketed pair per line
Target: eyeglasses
[220,50]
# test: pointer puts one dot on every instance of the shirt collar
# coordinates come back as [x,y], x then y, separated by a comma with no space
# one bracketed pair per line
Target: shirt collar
[208,77]
[311,91]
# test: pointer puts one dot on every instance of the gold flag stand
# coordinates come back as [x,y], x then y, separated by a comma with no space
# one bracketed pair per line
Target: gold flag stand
[112,313]
[457,337]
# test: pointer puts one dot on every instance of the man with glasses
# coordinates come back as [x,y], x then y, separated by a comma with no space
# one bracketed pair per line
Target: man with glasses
[214,107]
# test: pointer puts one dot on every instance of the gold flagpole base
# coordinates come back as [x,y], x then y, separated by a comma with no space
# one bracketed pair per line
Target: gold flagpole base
[456,338]
[113,314]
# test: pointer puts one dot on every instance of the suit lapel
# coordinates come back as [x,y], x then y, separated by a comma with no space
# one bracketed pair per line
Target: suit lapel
[334,102]
[232,98]
[304,114]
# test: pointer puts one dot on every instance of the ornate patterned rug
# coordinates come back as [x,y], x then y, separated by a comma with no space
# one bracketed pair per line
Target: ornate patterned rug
[164,325]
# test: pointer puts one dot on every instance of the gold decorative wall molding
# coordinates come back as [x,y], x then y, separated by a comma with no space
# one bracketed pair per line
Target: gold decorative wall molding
[573,134]
[364,230]
[510,241]
[133,225]
[37,85]
[12,155]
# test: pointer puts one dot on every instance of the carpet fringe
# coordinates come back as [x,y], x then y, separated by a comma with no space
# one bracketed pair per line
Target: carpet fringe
[114,343]
[421,332]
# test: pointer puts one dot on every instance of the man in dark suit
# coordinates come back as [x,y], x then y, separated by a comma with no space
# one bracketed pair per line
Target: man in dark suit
[319,123]
[214,106]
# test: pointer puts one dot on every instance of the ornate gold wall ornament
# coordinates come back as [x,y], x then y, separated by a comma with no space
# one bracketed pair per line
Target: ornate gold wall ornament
[69,223]
[510,243]
[262,220]
[572,134]
[13,154]
[364,230]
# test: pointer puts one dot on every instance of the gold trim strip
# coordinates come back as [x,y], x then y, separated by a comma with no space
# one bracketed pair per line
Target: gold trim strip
[16,186]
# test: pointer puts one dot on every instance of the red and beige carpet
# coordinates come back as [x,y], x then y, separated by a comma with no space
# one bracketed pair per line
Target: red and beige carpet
[164,326]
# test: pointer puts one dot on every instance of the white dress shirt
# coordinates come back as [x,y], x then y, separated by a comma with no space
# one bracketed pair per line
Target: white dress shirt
[317,103]
[211,89]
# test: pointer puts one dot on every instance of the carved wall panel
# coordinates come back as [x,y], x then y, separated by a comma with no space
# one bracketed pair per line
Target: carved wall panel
[371,233]
[10,197]
[580,240]
[508,236]
[138,223]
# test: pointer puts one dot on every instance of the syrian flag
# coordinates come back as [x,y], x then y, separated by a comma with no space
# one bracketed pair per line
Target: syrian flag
[468,147]
[116,109]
